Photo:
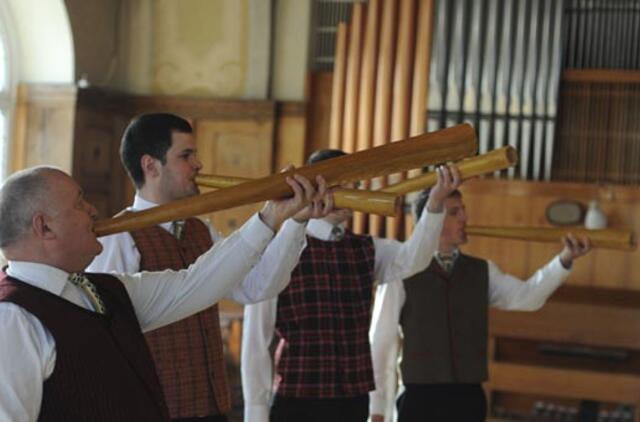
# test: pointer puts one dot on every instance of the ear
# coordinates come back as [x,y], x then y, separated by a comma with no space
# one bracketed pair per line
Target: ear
[150,166]
[40,226]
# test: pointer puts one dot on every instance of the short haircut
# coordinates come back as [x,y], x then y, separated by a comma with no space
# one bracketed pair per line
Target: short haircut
[421,201]
[325,154]
[21,196]
[149,134]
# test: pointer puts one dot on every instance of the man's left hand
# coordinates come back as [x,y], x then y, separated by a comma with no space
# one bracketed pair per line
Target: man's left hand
[275,212]
[573,248]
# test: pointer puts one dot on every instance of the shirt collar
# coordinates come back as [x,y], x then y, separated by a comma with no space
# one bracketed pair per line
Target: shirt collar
[454,256]
[141,204]
[321,229]
[43,276]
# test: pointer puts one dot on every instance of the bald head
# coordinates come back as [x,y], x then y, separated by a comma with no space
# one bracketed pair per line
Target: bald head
[23,195]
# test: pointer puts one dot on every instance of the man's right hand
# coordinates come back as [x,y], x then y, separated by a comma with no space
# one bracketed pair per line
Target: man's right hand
[377,418]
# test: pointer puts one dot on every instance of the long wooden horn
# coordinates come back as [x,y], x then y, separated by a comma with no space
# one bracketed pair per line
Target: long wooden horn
[448,144]
[607,238]
[498,159]
[381,203]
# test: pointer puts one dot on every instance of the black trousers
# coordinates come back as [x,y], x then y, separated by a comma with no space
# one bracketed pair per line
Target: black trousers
[216,418]
[354,409]
[442,403]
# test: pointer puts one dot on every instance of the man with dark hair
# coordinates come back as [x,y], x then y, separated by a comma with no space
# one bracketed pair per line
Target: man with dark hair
[442,312]
[159,153]
[71,344]
[323,317]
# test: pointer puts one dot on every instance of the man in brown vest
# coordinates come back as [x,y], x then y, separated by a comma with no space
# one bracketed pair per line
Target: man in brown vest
[443,315]
[71,344]
[159,152]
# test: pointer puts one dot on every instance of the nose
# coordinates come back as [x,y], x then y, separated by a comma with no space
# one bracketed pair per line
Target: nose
[91,210]
[197,164]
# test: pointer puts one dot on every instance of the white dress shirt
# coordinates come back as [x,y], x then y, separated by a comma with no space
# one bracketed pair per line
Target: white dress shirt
[394,260]
[505,292]
[27,349]
[269,276]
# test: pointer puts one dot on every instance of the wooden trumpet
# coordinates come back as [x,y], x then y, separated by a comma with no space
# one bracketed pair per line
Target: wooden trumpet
[607,238]
[498,159]
[382,203]
[453,143]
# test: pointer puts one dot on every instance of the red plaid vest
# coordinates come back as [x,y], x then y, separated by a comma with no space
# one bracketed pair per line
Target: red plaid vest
[324,316]
[189,353]
[103,370]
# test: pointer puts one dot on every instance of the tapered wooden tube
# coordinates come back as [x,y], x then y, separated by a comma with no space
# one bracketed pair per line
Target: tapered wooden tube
[607,238]
[497,159]
[448,144]
[382,203]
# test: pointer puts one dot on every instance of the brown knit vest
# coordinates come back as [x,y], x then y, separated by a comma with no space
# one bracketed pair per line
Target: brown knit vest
[189,353]
[444,321]
[103,369]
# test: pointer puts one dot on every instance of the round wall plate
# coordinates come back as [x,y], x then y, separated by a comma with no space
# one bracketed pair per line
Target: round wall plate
[565,213]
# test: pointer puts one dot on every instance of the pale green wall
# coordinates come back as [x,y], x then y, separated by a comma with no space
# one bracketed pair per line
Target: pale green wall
[206,48]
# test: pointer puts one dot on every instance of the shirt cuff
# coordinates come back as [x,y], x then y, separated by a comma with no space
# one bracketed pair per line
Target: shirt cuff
[376,405]
[291,228]
[256,233]
[556,266]
[256,413]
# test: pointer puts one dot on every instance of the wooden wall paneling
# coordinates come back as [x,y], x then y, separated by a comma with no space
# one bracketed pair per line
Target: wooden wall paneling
[235,147]
[382,106]
[289,142]
[338,87]
[483,208]
[620,388]
[319,110]
[352,84]
[500,202]
[18,150]
[367,95]
[45,136]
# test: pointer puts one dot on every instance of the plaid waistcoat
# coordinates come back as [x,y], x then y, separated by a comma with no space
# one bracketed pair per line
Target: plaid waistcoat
[324,316]
[188,354]
[103,370]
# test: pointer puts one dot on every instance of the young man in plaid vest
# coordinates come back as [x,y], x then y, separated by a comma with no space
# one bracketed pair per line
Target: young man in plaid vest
[159,153]
[323,317]
[71,344]
[443,313]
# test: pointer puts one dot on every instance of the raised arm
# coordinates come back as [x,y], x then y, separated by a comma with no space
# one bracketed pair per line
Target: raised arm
[397,260]
[511,293]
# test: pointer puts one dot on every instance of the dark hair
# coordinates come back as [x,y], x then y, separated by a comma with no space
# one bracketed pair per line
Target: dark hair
[421,201]
[325,154]
[149,134]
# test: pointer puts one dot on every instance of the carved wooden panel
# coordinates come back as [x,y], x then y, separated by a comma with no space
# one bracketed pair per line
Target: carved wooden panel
[235,147]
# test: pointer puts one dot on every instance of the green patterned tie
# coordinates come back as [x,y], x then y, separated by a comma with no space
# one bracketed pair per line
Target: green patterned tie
[177,227]
[81,281]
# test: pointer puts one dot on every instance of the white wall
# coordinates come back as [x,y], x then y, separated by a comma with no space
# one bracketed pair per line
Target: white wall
[43,40]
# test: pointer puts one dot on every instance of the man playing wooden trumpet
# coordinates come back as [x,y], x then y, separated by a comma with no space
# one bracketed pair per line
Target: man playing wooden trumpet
[71,344]
[323,316]
[159,153]
[443,314]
